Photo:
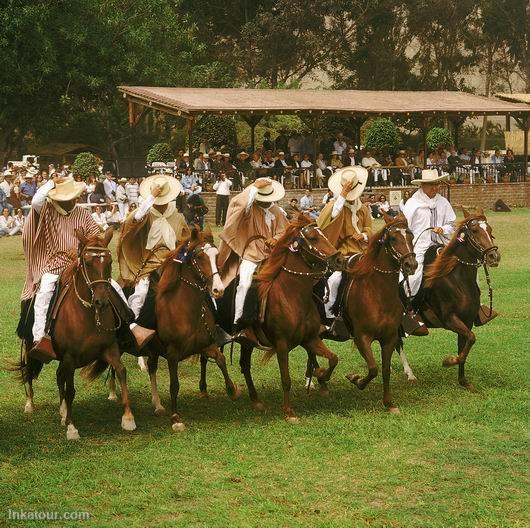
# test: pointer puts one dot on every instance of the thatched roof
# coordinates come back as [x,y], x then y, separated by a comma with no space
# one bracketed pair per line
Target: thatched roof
[190,102]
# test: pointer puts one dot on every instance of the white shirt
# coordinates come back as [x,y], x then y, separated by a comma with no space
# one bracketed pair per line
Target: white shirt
[369,162]
[100,219]
[222,187]
[131,190]
[110,188]
[121,196]
[306,164]
[6,188]
[7,223]
[339,146]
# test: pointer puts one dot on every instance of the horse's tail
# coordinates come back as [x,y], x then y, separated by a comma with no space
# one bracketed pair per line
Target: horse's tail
[267,356]
[94,370]
[25,370]
[399,344]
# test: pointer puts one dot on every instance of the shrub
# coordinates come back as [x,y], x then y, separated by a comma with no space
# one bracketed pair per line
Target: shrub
[438,137]
[85,165]
[160,152]
[216,131]
[382,134]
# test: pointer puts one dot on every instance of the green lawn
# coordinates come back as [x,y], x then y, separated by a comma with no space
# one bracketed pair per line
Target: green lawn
[451,458]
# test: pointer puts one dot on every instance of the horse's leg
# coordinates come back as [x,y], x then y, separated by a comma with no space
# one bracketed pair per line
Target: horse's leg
[311,364]
[245,362]
[406,367]
[232,389]
[172,362]
[141,363]
[466,339]
[114,360]
[61,385]
[283,362]
[152,366]
[364,344]
[112,386]
[29,372]
[203,387]
[71,432]
[317,347]
[387,348]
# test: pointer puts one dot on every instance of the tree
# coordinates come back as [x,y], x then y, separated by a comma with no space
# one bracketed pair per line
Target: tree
[85,165]
[160,152]
[217,131]
[439,137]
[382,134]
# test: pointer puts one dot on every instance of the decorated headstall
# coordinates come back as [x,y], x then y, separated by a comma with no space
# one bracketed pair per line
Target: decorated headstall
[466,233]
[303,243]
[387,244]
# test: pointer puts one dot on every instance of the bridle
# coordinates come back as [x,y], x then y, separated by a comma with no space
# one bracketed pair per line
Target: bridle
[94,252]
[311,255]
[465,232]
[396,256]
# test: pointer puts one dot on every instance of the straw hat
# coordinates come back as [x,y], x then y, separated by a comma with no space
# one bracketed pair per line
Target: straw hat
[122,180]
[272,192]
[66,190]
[171,188]
[243,154]
[430,176]
[357,175]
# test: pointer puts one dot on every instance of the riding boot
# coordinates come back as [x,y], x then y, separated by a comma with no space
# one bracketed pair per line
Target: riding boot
[43,350]
[484,315]
[413,325]
[247,336]
[221,337]
[335,329]
[133,340]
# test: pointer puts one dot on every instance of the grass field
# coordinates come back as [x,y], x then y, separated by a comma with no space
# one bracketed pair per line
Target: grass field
[451,458]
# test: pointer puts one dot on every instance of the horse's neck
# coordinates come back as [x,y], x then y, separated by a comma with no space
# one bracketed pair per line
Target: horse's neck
[295,262]
[384,261]
[467,273]
[190,277]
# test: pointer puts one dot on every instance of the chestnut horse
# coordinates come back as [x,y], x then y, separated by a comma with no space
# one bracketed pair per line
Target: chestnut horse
[84,334]
[452,299]
[299,259]
[184,317]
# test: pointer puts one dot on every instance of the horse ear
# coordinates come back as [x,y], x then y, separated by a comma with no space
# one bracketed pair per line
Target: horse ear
[480,211]
[195,231]
[387,218]
[466,212]
[81,237]
[107,237]
[207,234]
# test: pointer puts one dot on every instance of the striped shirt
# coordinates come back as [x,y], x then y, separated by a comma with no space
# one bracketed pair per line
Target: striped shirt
[48,237]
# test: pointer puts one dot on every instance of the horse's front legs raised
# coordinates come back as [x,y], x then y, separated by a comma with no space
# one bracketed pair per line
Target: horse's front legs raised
[364,344]
[232,389]
[466,339]
[317,347]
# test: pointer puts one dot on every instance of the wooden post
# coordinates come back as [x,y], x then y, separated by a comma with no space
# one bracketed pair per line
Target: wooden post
[252,121]
[189,126]
[526,122]
[508,123]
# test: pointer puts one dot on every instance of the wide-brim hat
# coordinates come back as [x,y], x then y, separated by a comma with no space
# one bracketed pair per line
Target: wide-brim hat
[430,176]
[272,192]
[67,190]
[355,174]
[171,188]
[122,180]
[243,154]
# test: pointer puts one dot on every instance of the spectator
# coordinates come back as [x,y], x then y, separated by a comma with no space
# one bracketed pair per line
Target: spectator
[464,156]
[28,188]
[4,202]
[131,191]
[339,145]
[419,159]
[8,225]
[374,206]
[100,218]
[335,162]
[292,210]
[20,219]
[198,163]
[184,164]
[188,181]
[496,157]
[280,165]
[222,191]
[349,159]
[98,195]
[321,169]
[195,210]
[121,198]
[268,161]
[307,205]
[453,161]
[281,142]
[306,166]
[267,141]
[110,186]
[242,163]
[369,162]
[217,162]
[403,201]
[327,197]
[113,217]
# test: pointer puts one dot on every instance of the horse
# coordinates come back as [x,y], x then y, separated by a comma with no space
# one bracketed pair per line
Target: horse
[374,279]
[84,333]
[300,258]
[184,316]
[452,296]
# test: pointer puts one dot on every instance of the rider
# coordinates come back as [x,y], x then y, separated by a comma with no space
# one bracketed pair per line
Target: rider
[48,238]
[254,223]
[432,220]
[149,234]
[345,221]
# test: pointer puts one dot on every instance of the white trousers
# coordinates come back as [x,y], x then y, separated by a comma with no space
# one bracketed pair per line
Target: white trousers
[333,285]
[123,208]
[42,302]
[246,271]
[137,299]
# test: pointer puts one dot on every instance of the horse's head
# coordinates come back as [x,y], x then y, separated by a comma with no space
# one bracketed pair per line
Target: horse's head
[478,235]
[397,241]
[203,259]
[316,247]
[95,264]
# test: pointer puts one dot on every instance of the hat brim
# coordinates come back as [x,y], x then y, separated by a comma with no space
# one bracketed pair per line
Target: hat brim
[57,196]
[174,189]
[278,192]
[335,185]
[433,180]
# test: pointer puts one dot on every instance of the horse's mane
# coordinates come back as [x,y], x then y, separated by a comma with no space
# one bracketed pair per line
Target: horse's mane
[365,265]
[278,255]
[169,270]
[446,261]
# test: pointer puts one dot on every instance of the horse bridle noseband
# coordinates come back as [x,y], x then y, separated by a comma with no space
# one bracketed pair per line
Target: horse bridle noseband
[483,252]
[391,250]
[184,257]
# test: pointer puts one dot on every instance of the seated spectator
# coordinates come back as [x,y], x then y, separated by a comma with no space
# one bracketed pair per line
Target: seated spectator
[292,210]
[327,197]
[403,201]
[100,218]
[188,181]
[339,145]
[322,171]
[374,206]
[20,219]
[349,158]
[305,177]
[453,161]
[419,158]
[296,168]
[184,163]
[307,205]
[369,162]
[8,225]
[280,166]
[28,188]
[4,204]
[335,162]
[496,157]
[464,156]
[114,217]
[432,159]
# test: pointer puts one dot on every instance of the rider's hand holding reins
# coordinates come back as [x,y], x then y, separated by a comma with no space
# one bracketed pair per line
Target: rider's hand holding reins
[438,230]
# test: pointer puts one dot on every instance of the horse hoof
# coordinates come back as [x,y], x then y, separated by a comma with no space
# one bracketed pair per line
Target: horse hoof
[323,392]
[29,408]
[72,433]
[412,378]
[178,427]
[259,406]
[293,420]
[393,409]
[309,383]
[235,394]
[203,395]
[112,397]
[319,372]
[63,421]
[160,411]
[450,361]
[469,386]
[128,424]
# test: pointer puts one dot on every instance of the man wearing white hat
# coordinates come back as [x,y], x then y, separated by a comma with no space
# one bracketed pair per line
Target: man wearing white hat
[431,220]
[345,221]
[254,223]
[121,198]
[149,234]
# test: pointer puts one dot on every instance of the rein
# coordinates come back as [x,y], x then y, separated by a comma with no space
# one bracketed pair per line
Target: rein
[394,254]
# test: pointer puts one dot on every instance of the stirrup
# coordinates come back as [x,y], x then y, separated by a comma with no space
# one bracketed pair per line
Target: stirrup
[43,350]
[413,325]
[483,317]
[247,336]
[221,337]
[336,331]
